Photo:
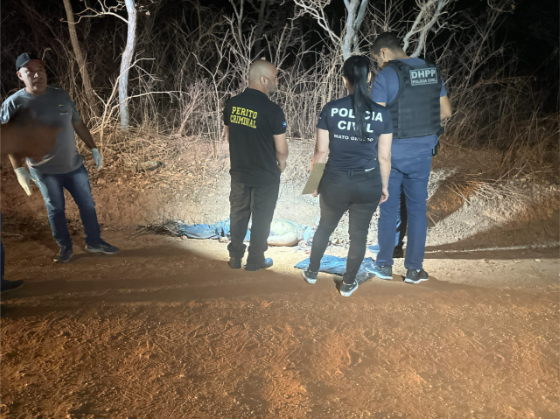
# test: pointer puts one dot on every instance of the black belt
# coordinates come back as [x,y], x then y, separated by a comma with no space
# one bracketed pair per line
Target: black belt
[350,172]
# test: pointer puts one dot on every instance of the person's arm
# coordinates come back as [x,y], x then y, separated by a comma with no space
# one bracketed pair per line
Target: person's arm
[8,135]
[445,108]
[16,160]
[279,134]
[281,147]
[321,150]
[26,138]
[321,147]
[379,90]
[22,174]
[83,133]
[225,116]
[384,156]
[23,135]
[9,110]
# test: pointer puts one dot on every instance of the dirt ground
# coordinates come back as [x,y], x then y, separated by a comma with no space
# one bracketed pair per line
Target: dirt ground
[165,329]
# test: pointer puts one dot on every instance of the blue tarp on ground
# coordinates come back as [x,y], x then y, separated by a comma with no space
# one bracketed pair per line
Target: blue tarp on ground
[202,231]
[337,265]
[222,230]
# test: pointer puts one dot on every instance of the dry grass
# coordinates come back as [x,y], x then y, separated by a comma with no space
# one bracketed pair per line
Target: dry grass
[186,70]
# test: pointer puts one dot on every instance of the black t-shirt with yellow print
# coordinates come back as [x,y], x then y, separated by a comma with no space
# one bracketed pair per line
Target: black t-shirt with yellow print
[253,120]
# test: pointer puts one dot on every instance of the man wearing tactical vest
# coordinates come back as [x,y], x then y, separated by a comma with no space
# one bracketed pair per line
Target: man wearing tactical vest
[412,90]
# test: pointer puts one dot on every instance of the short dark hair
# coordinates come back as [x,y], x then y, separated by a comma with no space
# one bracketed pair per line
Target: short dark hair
[386,40]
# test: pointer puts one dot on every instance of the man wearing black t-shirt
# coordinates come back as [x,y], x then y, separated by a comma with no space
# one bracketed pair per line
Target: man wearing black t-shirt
[256,132]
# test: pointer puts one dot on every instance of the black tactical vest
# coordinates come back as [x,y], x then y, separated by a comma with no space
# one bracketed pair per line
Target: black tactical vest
[415,110]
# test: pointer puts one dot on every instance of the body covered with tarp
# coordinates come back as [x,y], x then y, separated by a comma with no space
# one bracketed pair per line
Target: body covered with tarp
[282,232]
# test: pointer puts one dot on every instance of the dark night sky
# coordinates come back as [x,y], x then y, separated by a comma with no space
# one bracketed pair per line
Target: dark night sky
[531,30]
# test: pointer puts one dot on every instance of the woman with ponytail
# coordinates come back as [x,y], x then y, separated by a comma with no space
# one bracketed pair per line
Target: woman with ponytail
[356,134]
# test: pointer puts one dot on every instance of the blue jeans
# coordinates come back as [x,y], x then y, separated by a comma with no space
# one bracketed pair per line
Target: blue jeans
[401,226]
[412,176]
[77,183]
[402,221]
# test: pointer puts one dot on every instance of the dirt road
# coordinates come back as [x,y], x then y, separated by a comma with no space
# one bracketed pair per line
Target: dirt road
[166,329]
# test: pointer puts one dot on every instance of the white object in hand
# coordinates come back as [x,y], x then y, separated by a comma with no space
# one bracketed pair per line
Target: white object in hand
[24,179]
[97,158]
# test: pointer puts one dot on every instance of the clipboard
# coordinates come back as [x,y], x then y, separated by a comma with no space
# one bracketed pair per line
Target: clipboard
[314,179]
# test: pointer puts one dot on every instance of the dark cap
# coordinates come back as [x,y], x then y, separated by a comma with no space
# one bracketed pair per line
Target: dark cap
[25,58]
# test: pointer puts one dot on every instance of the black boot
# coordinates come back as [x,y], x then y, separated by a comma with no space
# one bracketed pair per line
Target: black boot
[267,263]
[235,263]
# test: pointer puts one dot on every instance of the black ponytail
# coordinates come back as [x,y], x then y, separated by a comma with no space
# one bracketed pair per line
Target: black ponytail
[356,71]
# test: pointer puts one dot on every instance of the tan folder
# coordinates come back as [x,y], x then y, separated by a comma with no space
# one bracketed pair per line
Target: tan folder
[314,178]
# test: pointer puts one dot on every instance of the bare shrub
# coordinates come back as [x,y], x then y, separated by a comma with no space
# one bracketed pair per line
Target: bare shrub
[189,64]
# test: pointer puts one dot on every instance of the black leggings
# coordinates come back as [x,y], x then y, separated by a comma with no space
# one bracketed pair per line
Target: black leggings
[358,192]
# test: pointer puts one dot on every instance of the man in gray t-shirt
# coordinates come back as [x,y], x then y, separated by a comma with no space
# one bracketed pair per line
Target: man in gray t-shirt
[55,108]
[62,168]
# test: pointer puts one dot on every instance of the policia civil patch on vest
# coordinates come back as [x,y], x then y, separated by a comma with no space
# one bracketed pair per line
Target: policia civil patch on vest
[420,77]
[415,110]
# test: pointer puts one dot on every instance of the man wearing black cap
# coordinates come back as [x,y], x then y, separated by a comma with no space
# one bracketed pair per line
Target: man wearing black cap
[256,132]
[63,166]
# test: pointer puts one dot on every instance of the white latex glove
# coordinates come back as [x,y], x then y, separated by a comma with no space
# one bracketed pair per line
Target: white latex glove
[24,179]
[97,158]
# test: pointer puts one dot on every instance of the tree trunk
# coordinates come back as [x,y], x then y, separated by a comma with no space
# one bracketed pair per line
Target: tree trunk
[80,57]
[424,23]
[361,12]
[126,61]
[355,14]
[351,7]
[260,27]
